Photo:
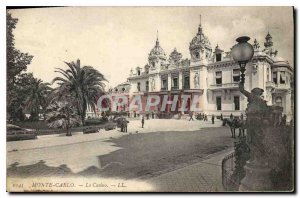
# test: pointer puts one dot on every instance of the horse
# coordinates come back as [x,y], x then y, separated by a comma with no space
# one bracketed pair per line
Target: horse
[235,123]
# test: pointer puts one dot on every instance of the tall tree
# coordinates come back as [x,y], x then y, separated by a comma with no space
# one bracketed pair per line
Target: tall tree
[16,63]
[37,98]
[85,83]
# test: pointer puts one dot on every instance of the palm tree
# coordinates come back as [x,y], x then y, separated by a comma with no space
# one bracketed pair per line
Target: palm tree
[85,84]
[62,115]
[37,98]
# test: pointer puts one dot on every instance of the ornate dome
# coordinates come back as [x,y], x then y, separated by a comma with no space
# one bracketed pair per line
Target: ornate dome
[157,50]
[200,40]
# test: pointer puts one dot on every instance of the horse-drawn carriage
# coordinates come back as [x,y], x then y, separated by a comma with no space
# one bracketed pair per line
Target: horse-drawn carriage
[235,123]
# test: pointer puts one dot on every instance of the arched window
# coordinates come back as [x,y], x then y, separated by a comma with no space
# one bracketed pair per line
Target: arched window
[278,101]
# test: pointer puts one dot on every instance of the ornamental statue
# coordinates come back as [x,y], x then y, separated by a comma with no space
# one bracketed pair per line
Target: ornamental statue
[196,80]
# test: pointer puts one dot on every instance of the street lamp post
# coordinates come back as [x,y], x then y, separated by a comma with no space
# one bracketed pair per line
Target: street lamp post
[242,52]
[257,176]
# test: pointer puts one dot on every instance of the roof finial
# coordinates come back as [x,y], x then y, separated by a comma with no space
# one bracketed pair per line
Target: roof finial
[157,42]
[200,27]
[200,19]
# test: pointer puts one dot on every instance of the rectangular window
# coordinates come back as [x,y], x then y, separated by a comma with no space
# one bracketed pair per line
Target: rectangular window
[219,103]
[236,101]
[138,86]
[218,57]
[147,85]
[268,75]
[175,83]
[139,72]
[275,77]
[219,78]
[164,84]
[186,82]
[236,75]
[282,77]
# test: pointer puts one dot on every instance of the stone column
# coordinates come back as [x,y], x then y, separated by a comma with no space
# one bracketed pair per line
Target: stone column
[169,82]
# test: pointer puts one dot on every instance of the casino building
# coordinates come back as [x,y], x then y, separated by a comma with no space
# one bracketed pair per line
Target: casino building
[213,76]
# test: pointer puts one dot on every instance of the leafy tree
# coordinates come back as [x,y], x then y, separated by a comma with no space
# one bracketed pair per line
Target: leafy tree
[62,115]
[37,98]
[17,95]
[85,84]
[16,63]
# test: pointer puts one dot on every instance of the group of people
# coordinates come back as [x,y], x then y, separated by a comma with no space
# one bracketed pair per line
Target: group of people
[122,122]
[201,117]
[204,117]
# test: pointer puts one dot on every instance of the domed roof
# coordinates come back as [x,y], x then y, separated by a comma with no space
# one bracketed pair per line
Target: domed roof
[200,40]
[157,50]
[280,60]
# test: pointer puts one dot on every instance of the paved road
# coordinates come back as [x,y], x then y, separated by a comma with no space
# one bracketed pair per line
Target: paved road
[144,154]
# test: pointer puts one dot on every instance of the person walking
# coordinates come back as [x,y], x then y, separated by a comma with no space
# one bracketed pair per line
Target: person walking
[213,119]
[221,117]
[205,118]
[143,121]
[191,116]
[231,117]
[125,123]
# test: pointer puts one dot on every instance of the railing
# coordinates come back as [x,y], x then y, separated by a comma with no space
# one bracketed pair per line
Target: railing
[174,88]
[270,84]
[277,85]
[282,86]
[225,85]
[228,166]
[164,89]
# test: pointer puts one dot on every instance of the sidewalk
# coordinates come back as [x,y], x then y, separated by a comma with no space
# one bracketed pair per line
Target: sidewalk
[205,176]
[134,126]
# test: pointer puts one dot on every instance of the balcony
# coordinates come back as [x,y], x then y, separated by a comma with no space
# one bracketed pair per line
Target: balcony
[164,89]
[234,85]
[175,88]
[277,87]
[270,84]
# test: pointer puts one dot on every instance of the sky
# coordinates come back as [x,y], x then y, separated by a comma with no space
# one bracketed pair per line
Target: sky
[116,39]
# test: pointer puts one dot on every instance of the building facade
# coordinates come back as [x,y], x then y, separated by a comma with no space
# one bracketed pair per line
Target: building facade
[211,75]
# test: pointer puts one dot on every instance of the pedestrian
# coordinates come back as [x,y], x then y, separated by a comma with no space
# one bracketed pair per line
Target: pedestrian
[152,115]
[231,116]
[143,121]
[242,116]
[213,119]
[221,117]
[125,123]
[191,116]
[205,117]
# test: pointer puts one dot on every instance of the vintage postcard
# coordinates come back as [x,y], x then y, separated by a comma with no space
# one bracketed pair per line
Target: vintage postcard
[150,99]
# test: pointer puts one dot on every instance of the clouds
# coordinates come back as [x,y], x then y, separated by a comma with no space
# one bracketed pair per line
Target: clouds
[115,39]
